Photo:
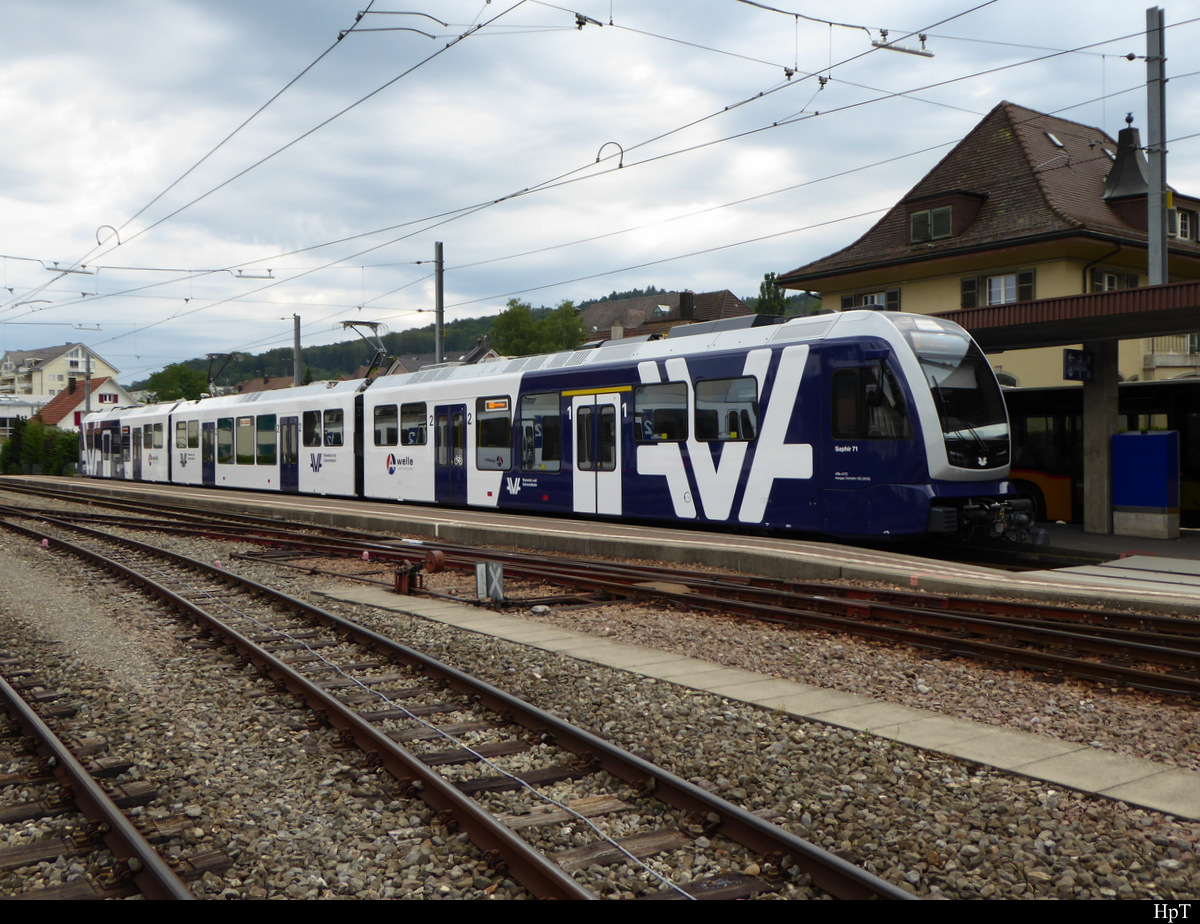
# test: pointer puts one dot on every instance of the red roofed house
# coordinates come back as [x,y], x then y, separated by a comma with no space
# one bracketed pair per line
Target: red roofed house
[656,314]
[68,407]
[1026,206]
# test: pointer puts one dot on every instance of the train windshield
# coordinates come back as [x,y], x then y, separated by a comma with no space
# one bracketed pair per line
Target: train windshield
[965,392]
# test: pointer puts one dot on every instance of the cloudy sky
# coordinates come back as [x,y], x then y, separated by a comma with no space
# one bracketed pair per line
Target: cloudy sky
[218,166]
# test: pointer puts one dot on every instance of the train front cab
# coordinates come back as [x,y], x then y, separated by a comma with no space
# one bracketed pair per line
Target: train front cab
[917,434]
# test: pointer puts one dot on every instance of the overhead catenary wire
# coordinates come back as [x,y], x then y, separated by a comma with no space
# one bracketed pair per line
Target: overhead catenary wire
[352,256]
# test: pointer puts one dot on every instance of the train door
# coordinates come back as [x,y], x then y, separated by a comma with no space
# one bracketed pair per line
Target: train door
[106,454]
[208,453]
[597,453]
[136,436]
[120,451]
[289,454]
[450,443]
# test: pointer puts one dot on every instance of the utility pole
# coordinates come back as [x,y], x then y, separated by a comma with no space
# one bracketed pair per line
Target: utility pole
[1156,150]
[439,307]
[297,375]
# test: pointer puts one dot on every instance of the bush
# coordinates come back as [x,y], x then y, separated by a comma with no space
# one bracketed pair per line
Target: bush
[35,448]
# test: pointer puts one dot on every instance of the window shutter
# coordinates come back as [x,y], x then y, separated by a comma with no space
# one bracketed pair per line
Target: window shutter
[970,292]
[941,222]
[1097,279]
[847,302]
[919,226]
[1025,285]
[892,299]
[1131,280]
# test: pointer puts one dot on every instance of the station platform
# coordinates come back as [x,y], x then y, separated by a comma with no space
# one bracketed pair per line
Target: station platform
[1159,565]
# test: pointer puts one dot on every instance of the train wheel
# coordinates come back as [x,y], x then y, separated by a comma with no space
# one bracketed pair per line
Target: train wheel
[1028,491]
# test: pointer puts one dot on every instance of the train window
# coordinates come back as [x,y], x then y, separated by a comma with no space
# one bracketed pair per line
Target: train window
[868,406]
[158,436]
[608,439]
[225,441]
[312,428]
[451,440]
[181,434]
[125,444]
[412,424]
[245,441]
[660,413]
[333,427]
[727,409]
[193,434]
[584,430]
[541,433]
[493,437]
[386,425]
[148,436]
[289,452]
[265,442]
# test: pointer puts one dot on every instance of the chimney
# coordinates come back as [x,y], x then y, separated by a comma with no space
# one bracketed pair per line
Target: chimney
[687,305]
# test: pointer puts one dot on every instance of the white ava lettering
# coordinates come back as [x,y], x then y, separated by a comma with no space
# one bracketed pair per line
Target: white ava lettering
[716,483]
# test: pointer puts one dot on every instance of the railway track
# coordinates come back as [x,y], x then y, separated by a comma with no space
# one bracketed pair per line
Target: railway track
[1154,653]
[379,694]
[134,866]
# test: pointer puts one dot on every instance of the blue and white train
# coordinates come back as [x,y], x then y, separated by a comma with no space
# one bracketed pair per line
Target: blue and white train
[863,424]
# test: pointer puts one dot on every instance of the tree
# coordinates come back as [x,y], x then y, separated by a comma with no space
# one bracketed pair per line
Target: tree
[521,331]
[561,329]
[514,332]
[771,298]
[176,381]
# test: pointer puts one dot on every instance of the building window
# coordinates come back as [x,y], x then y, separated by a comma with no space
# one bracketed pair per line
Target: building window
[931,224]
[1181,224]
[887,300]
[1109,281]
[1002,289]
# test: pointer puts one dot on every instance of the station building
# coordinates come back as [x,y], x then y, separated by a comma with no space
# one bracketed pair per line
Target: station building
[1026,207]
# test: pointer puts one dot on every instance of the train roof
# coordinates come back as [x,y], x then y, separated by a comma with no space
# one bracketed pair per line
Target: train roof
[704,339]
[680,343]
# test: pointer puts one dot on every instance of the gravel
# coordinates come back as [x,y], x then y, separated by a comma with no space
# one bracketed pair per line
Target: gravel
[934,825]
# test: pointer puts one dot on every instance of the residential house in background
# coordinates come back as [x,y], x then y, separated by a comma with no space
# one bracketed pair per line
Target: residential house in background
[68,407]
[50,370]
[17,407]
[657,314]
[1026,206]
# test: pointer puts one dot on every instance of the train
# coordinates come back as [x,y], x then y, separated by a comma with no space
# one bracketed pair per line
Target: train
[865,425]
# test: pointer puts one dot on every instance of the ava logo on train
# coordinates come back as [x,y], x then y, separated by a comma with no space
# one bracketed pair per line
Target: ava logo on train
[716,482]
[314,460]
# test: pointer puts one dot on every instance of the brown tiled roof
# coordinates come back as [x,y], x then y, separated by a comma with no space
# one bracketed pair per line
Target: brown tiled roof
[645,314]
[1029,188]
[264,383]
[45,354]
[66,401]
